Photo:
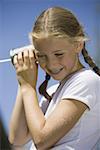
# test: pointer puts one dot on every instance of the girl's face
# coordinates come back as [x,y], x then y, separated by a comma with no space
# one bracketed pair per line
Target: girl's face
[57,57]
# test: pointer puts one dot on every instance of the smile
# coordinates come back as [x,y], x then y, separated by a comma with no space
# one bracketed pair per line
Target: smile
[55,72]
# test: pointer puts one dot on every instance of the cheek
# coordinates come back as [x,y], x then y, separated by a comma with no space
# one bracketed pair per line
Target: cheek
[68,62]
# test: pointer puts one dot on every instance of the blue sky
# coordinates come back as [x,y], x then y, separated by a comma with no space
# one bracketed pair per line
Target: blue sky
[16,20]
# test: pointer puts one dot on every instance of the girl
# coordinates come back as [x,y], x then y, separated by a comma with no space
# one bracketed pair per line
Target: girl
[68,116]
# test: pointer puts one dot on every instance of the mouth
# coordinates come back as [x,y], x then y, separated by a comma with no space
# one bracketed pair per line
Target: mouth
[56,71]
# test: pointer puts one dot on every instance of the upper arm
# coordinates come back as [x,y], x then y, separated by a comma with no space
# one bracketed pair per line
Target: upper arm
[60,121]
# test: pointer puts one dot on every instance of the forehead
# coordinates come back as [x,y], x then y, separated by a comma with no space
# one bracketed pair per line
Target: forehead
[52,44]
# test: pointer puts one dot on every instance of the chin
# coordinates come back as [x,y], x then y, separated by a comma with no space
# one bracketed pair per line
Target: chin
[58,78]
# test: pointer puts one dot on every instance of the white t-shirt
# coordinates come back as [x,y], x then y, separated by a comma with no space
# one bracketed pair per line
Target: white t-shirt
[83,86]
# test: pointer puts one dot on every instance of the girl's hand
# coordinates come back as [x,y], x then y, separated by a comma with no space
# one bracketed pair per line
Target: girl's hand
[26,68]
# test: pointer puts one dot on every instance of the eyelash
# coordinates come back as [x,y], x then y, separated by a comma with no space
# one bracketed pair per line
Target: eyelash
[58,55]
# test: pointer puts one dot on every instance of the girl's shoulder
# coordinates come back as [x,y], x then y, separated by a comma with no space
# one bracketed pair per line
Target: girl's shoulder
[87,76]
[83,86]
[89,72]
[84,80]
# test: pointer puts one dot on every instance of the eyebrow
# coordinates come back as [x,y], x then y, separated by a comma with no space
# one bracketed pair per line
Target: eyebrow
[58,51]
[52,52]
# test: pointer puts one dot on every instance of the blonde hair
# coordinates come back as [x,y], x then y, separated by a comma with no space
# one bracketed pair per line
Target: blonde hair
[60,23]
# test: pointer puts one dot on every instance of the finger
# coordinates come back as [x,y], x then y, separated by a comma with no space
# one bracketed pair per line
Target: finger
[32,58]
[20,58]
[15,61]
[26,58]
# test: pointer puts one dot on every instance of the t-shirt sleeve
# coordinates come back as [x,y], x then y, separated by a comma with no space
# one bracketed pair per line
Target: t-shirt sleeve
[83,89]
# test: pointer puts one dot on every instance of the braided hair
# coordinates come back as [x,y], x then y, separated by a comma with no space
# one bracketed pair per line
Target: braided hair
[89,60]
[43,88]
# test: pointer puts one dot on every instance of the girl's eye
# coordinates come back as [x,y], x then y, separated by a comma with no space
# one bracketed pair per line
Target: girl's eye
[59,55]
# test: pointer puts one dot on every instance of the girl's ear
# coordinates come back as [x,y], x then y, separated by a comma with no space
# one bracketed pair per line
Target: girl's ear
[79,46]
